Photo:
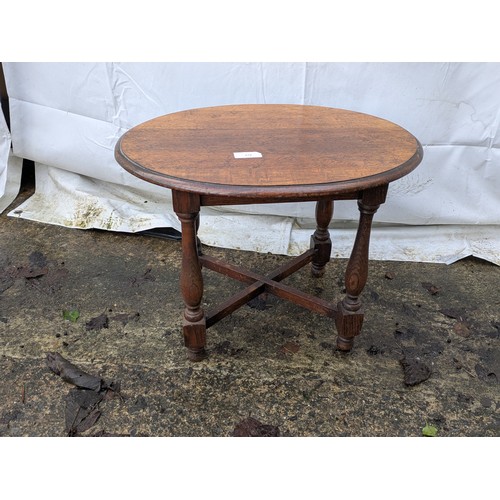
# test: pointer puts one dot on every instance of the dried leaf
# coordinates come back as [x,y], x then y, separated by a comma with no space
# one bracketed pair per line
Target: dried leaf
[461,328]
[389,275]
[415,371]
[71,373]
[37,259]
[82,410]
[126,317]
[460,314]
[97,323]
[432,289]
[52,280]
[31,273]
[485,373]
[251,427]
[111,390]
[82,402]
[28,272]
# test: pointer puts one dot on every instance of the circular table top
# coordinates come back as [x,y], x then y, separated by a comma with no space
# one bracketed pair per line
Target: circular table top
[268,149]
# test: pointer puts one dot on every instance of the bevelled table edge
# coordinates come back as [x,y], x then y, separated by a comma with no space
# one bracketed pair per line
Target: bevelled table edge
[288,192]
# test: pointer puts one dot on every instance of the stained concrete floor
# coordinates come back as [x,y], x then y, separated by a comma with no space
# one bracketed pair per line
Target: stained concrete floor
[277,363]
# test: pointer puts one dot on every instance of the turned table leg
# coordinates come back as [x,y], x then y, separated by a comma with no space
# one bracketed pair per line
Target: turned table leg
[320,240]
[187,208]
[350,314]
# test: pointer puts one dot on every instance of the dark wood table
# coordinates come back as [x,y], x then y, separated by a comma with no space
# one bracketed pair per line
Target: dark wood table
[270,153]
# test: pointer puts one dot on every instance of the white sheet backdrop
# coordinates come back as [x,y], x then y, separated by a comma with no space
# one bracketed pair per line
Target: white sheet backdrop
[10,168]
[67,117]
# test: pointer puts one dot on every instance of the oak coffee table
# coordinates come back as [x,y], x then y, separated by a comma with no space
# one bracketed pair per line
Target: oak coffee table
[270,153]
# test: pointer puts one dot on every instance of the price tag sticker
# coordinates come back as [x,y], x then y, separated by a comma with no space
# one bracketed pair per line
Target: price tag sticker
[247,154]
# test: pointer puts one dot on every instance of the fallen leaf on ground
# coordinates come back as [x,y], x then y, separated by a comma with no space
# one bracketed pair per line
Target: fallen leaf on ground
[485,373]
[31,273]
[461,328]
[460,314]
[37,259]
[251,427]
[28,272]
[432,289]
[82,401]
[429,431]
[71,373]
[104,433]
[82,410]
[71,315]
[126,317]
[97,323]
[52,281]
[414,371]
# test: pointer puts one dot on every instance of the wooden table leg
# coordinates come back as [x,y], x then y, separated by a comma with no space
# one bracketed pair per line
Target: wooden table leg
[320,240]
[187,209]
[350,314]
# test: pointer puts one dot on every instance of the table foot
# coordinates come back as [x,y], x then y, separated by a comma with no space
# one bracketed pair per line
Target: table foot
[348,325]
[343,344]
[195,339]
[196,355]
[320,240]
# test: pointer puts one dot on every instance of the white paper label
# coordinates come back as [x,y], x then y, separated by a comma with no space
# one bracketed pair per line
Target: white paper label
[248,154]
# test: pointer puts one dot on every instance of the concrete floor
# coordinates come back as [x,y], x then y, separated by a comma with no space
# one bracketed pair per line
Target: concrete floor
[277,364]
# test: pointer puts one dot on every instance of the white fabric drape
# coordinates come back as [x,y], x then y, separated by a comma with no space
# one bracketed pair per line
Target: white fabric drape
[67,117]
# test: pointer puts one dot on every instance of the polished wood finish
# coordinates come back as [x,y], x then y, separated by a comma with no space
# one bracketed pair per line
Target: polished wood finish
[306,153]
[261,284]
[320,240]
[320,149]
[350,314]
[192,289]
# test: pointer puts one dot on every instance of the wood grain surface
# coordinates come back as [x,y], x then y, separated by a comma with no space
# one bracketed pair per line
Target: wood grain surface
[314,148]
